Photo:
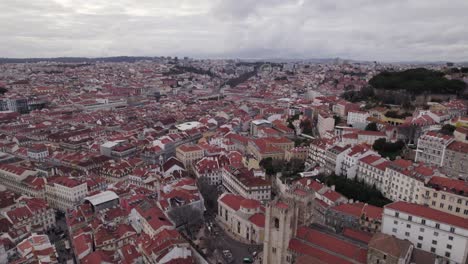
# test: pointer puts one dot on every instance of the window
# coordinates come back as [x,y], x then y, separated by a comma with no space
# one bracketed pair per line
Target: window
[421,229]
[408,226]
[397,214]
[432,250]
[449,246]
[443,196]
[394,230]
[452,229]
[437,226]
[395,222]
[420,237]
[410,218]
[436,233]
[447,254]
[450,208]
[451,238]
[273,250]
[434,242]
[441,205]
[457,210]
[406,233]
[418,245]
[385,256]
[276,223]
[423,221]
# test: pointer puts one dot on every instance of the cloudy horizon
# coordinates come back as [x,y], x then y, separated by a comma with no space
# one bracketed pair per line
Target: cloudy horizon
[398,30]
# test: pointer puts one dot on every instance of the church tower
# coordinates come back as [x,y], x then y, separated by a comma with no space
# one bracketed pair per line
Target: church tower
[280,227]
[294,208]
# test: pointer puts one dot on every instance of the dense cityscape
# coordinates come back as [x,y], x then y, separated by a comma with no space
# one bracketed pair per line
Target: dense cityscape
[180,160]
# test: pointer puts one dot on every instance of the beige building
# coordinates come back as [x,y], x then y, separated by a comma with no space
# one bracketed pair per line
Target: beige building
[244,218]
[447,195]
[63,193]
[188,154]
[271,147]
[299,153]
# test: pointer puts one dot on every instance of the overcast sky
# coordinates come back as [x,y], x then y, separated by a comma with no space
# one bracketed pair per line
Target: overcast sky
[384,30]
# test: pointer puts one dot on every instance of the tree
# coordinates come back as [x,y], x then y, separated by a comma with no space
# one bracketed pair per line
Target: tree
[306,126]
[388,149]
[372,127]
[447,129]
[210,194]
[186,216]
[337,119]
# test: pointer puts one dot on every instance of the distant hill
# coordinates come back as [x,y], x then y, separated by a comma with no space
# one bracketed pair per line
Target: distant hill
[417,81]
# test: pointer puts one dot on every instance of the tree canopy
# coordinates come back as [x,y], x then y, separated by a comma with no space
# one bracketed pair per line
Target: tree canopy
[388,149]
[372,127]
[417,81]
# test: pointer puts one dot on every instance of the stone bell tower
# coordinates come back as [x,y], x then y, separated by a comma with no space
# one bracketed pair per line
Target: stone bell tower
[283,216]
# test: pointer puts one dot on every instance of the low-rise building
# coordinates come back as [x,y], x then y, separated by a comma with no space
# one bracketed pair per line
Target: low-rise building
[359,216]
[242,217]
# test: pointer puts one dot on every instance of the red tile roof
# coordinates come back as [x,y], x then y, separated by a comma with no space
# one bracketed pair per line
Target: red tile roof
[429,213]
[451,185]
[258,219]
[232,200]
[357,235]
[333,244]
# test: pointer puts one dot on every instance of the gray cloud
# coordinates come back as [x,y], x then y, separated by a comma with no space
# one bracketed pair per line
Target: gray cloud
[360,29]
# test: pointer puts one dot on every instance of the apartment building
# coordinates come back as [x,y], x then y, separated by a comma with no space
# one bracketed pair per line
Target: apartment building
[357,119]
[455,162]
[447,195]
[22,181]
[351,158]
[371,170]
[432,147]
[34,214]
[316,153]
[244,182]
[428,229]
[325,123]
[63,193]
[188,154]
[406,180]
[334,157]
